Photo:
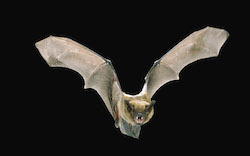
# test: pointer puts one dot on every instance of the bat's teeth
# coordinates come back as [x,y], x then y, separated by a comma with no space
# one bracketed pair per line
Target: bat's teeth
[139,119]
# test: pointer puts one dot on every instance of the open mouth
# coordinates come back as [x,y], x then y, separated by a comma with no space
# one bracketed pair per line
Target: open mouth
[139,119]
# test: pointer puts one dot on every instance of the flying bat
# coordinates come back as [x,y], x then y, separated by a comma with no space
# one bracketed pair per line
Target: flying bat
[130,112]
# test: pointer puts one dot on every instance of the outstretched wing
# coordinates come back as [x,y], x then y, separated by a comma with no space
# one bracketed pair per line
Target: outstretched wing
[201,44]
[98,72]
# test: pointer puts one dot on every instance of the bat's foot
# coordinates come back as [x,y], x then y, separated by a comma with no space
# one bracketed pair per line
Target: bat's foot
[117,123]
[130,130]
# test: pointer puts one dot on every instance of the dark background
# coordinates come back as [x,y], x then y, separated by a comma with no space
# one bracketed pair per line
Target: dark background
[193,115]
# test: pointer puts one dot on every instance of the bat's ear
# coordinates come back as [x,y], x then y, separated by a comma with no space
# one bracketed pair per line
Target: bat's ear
[129,106]
[150,106]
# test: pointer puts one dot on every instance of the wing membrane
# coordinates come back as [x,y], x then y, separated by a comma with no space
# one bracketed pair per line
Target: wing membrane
[201,44]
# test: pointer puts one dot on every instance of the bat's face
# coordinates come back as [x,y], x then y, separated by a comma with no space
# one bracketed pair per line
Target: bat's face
[140,112]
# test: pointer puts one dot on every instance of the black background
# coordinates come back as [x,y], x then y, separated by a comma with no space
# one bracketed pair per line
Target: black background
[193,115]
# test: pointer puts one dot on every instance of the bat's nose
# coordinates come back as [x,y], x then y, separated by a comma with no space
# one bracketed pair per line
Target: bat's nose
[139,118]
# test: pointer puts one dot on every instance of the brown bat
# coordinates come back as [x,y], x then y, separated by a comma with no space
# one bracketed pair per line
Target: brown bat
[130,111]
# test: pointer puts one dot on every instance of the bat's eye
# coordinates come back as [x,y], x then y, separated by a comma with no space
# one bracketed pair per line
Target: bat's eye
[129,106]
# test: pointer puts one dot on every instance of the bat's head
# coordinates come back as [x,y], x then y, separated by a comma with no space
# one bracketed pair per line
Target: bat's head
[139,111]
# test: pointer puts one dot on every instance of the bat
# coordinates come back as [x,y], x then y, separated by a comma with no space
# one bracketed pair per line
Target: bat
[130,112]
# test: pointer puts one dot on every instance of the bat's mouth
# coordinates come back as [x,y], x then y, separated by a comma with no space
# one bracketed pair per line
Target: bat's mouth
[139,119]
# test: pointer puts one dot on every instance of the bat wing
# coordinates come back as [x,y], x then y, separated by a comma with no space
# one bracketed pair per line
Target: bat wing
[201,44]
[97,72]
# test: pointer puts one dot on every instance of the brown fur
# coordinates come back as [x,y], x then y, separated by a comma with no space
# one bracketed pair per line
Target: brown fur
[139,102]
